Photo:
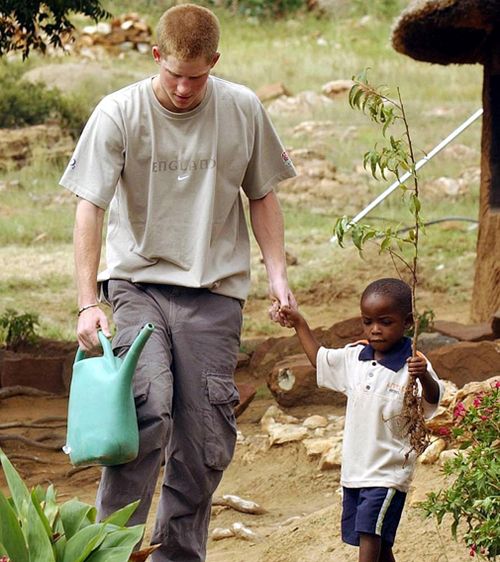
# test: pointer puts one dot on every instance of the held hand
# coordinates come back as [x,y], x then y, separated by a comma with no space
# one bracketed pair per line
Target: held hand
[281,296]
[417,366]
[89,322]
[292,317]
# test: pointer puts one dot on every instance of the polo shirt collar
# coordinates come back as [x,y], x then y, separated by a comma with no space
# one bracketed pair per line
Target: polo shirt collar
[394,359]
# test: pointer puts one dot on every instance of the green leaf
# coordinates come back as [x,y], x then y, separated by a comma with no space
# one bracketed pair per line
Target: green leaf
[114,554]
[76,515]
[121,516]
[39,543]
[11,534]
[125,537]
[35,498]
[82,543]
[19,491]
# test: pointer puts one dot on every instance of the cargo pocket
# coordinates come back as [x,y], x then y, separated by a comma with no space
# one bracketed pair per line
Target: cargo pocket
[121,344]
[219,419]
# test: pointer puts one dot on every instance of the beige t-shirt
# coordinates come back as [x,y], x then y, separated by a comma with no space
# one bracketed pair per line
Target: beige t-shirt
[172,183]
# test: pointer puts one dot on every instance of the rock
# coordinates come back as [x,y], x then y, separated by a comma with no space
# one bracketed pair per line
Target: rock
[442,421]
[301,104]
[495,324]
[282,433]
[243,360]
[468,393]
[332,458]
[464,362]
[448,454]
[450,390]
[336,87]
[44,373]
[18,146]
[427,341]
[220,533]
[247,394]
[272,91]
[344,332]
[464,332]
[432,452]
[293,381]
[319,446]
[243,532]
[274,414]
[315,421]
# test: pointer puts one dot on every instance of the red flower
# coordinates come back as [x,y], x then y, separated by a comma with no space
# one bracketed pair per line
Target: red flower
[459,410]
[473,550]
[496,384]
[477,401]
[444,431]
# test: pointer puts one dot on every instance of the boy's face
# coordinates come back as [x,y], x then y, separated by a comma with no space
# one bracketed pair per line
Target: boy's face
[384,325]
[181,85]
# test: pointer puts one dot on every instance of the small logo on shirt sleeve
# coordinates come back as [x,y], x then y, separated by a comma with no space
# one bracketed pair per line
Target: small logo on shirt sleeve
[286,158]
[72,163]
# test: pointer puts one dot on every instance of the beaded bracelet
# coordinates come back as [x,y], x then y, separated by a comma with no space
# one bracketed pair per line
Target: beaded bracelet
[86,307]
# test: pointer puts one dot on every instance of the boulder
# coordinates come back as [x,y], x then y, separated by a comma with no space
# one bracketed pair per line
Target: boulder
[465,362]
[293,381]
[464,332]
[428,341]
[247,394]
[335,87]
[272,91]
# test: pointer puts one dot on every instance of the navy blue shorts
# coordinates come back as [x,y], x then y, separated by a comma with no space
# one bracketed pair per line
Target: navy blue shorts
[375,511]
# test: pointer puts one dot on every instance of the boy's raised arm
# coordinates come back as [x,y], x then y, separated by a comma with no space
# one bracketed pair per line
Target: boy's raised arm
[306,337]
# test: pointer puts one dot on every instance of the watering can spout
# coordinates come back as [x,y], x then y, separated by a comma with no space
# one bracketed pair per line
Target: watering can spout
[130,361]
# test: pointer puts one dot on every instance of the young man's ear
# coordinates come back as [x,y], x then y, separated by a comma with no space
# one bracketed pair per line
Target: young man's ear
[156,53]
[215,60]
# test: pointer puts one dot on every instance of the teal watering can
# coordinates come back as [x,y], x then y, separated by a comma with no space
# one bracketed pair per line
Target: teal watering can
[102,420]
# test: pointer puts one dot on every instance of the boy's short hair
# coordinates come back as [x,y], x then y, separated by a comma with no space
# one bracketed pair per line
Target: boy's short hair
[188,31]
[397,290]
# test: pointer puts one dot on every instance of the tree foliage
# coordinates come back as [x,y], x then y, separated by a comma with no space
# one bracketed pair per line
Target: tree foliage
[33,24]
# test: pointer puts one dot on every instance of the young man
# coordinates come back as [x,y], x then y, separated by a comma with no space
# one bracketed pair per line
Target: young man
[168,156]
[373,375]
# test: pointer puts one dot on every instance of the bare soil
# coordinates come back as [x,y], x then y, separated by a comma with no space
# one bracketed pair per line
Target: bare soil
[302,503]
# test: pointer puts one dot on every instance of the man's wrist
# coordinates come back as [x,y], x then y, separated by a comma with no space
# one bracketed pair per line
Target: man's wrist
[86,307]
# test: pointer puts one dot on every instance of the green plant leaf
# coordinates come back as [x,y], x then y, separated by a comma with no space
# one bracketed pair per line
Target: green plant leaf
[35,499]
[124,537]
[39,543]
[82,543]
[114,554]
[11,534]
[121,516]
[76,515]
[19,491]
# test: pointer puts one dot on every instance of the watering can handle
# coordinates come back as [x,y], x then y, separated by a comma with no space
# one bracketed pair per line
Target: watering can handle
[105,344]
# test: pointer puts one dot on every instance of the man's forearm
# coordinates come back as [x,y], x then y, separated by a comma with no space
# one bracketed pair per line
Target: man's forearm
[87,237]
[268,227]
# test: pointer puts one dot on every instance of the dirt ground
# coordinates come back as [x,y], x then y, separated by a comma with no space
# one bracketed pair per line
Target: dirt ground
[302,503]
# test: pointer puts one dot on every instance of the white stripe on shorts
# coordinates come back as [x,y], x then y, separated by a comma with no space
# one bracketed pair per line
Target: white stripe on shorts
[383,510]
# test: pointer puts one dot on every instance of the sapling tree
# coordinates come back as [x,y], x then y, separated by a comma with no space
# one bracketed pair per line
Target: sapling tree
[396,156]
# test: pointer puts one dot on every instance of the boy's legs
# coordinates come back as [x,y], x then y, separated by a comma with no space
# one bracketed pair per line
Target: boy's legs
[373,549]
[370,518]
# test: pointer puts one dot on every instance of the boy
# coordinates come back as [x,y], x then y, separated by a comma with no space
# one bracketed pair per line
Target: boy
[373,375]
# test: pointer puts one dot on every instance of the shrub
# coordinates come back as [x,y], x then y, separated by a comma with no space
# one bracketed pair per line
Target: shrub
[34,527]
[18,328]
[23,103]
[474,496]
[263,8]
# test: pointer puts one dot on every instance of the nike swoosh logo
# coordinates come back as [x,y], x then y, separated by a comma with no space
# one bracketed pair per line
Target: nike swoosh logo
[180,178]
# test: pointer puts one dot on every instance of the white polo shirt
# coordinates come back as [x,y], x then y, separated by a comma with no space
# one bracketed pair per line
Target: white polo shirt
[373,450]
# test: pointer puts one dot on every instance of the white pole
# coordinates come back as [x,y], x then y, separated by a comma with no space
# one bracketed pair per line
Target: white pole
[418,165]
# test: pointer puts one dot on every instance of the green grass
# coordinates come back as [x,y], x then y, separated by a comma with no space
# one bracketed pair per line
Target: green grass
[303,52]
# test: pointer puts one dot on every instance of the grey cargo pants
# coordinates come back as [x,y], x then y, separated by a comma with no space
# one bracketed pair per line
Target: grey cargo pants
[185,393]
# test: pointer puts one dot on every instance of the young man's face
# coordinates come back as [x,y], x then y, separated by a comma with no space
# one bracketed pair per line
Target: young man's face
[384,325]
[181,85]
